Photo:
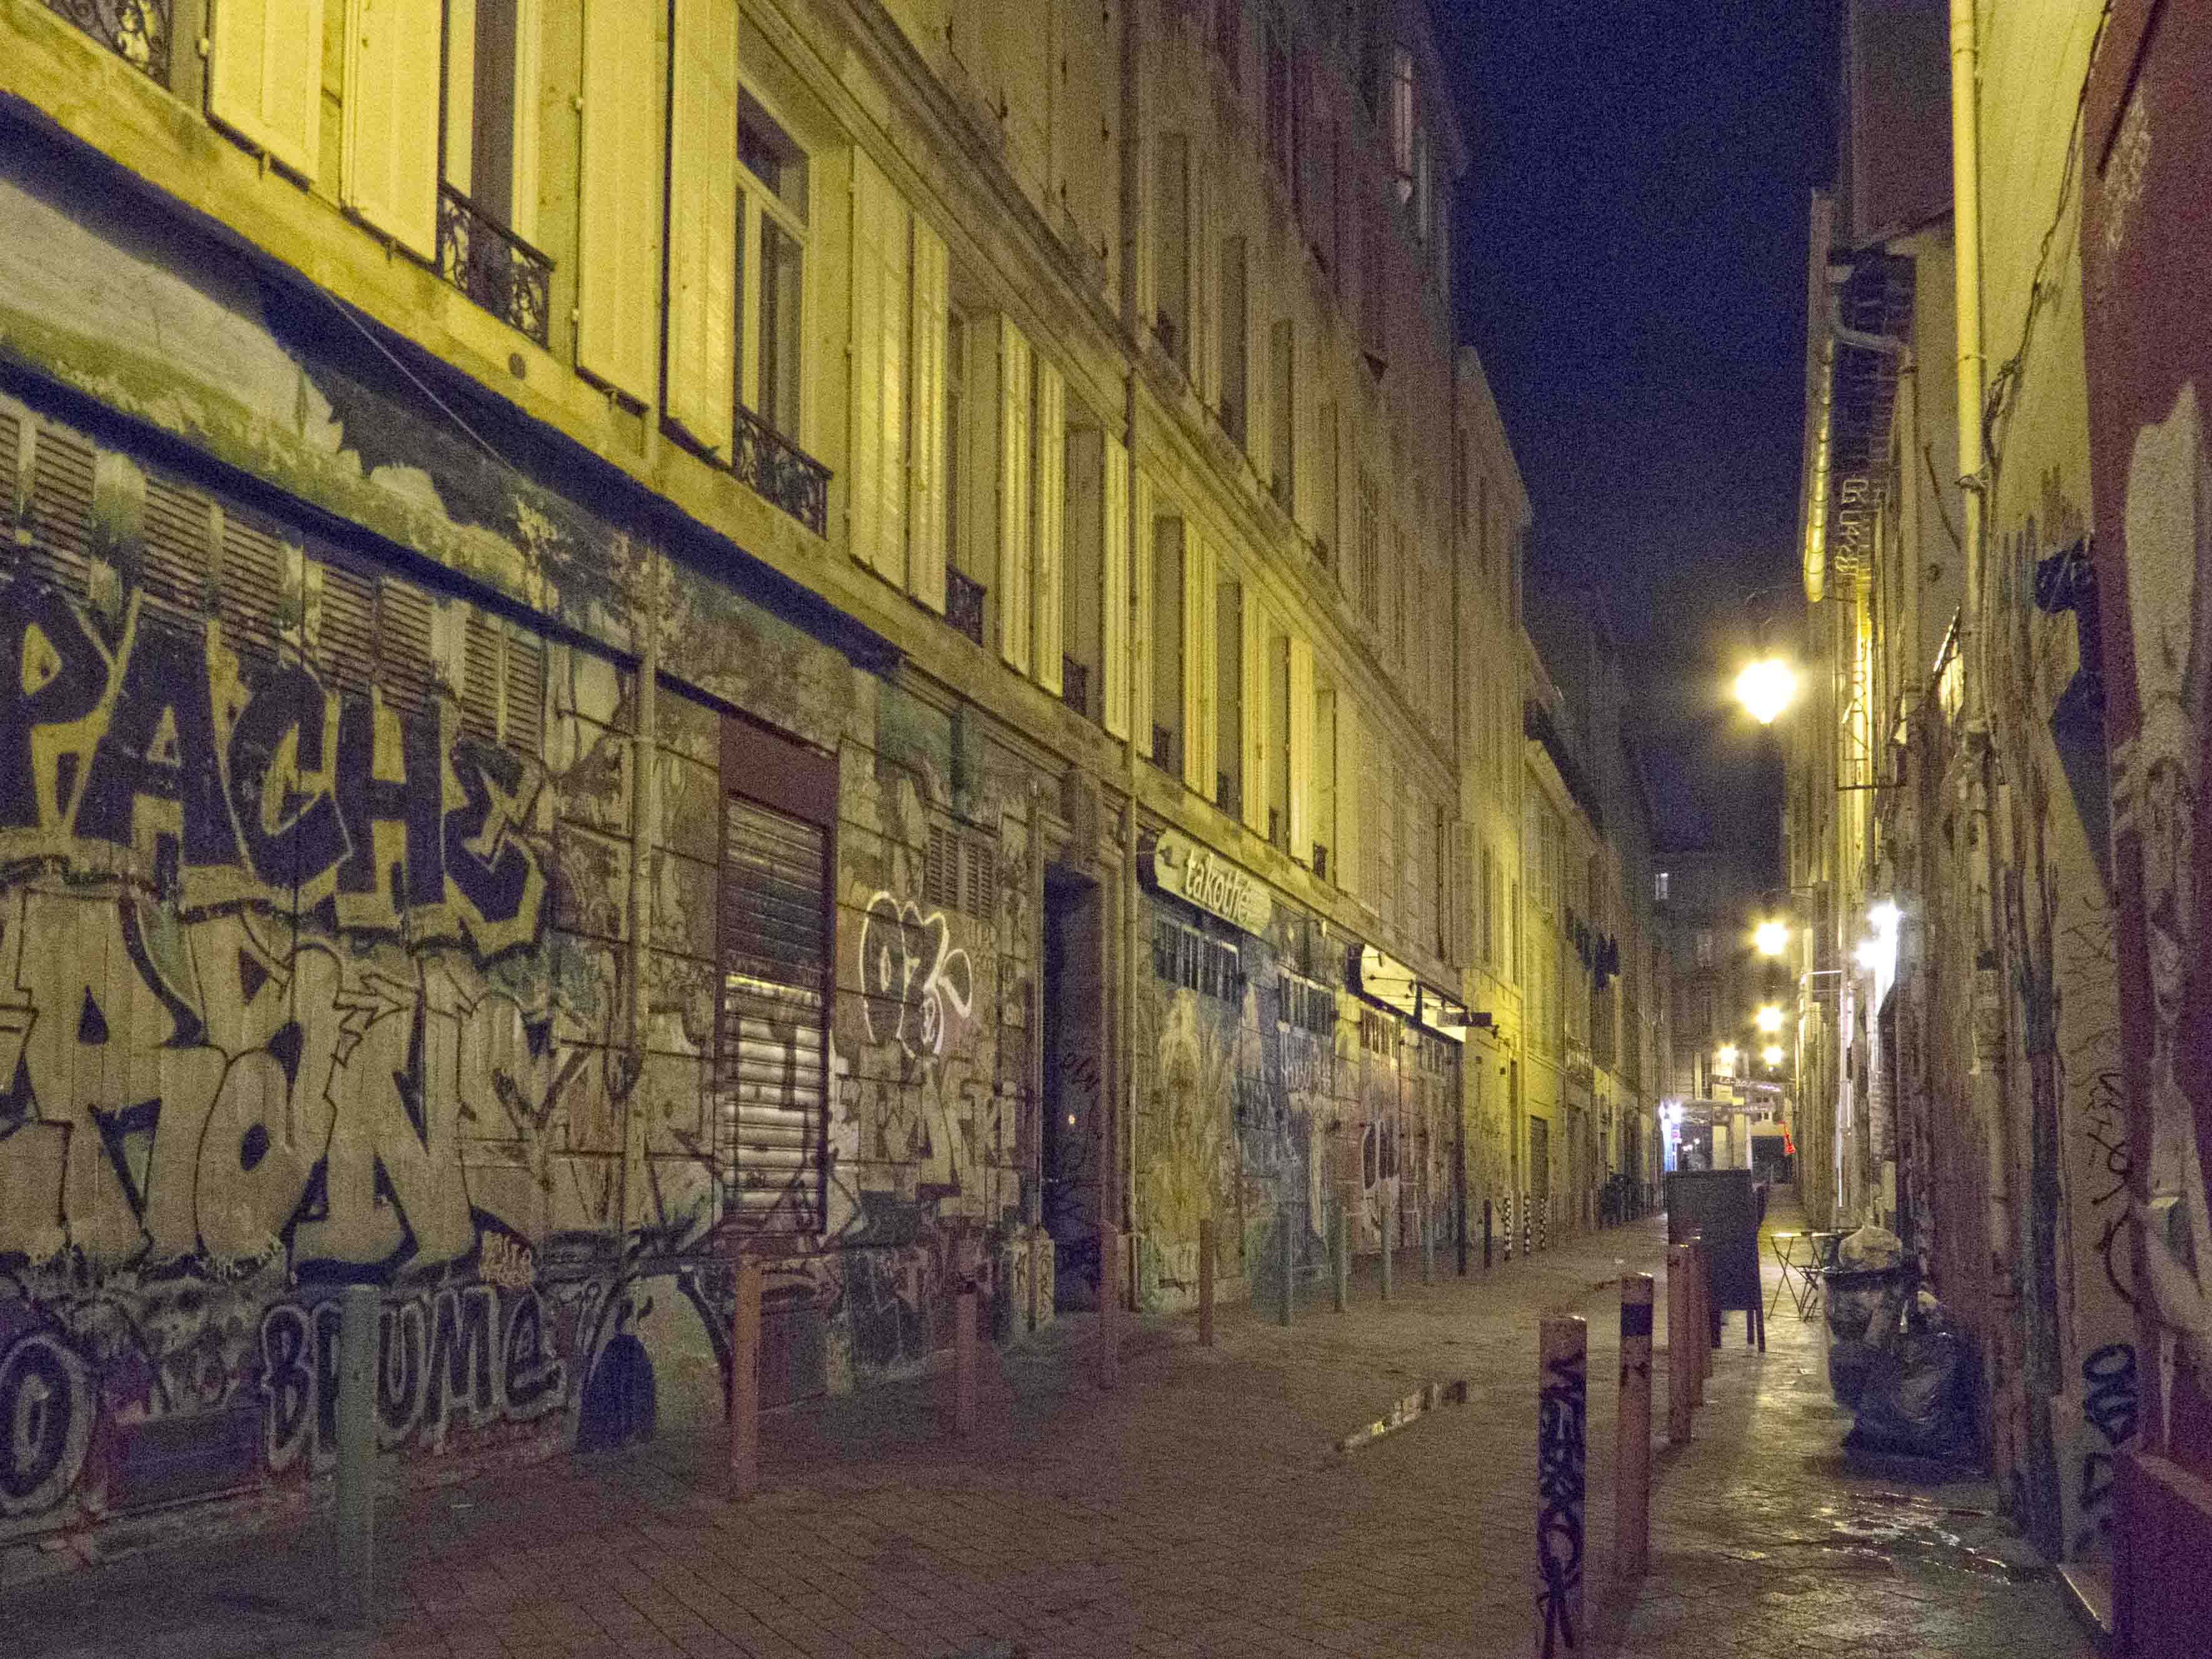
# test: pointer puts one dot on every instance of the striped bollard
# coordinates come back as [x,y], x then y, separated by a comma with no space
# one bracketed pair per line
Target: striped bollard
[1389,1235]
[1562,1402]
[1343,1263]
[1679,1349]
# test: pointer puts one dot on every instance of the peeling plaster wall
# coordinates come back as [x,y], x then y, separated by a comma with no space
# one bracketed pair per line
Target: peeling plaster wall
[303,985]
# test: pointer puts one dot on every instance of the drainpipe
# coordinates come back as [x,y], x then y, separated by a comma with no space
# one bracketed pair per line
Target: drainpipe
[1965,212]
[644,815]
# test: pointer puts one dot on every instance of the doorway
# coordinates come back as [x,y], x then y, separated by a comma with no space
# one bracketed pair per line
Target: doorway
[1540,1167]
[1076,1150]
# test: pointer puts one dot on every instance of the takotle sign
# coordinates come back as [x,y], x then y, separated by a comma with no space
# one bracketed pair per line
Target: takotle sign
[1199,876]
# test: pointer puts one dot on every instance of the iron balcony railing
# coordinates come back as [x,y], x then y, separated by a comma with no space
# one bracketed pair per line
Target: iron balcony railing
[964,603]
[772,466]
[492,266]
[136,30]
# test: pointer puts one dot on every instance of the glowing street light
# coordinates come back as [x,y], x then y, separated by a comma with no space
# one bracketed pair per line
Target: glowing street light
[1766,688]
[1772,938]
[1885,916]
[1771,1054]
[1726,1056]
[1769,1018]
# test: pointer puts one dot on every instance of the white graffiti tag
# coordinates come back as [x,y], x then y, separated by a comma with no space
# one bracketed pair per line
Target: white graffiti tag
[917,984]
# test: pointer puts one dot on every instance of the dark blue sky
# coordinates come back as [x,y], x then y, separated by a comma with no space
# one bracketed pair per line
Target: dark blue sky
[1632,266]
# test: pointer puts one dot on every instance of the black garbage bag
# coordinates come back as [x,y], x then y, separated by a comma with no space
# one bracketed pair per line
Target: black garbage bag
[1864,1308]
[1914,1398]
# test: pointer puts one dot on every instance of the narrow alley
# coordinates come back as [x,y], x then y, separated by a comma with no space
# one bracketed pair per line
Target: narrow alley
[1202,1509]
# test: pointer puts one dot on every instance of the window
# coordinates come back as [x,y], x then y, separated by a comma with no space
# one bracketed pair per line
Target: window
[1370,551]
[775,979]
[1282,382]
[1704,947]
[772,199]
[1167,643]
[1236,391]
[491,112]
[1172,251]
[1659,887]
[1279,737]
[1489,902]
[1324,783]
[1281,105]
[1400,116]
[1326,464]
[1229,696]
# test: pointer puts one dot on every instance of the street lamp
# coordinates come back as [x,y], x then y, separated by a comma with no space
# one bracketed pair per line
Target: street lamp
[1726,1056]
[1768,1019]
[1771,1054]
[1772,938]
[1766,688]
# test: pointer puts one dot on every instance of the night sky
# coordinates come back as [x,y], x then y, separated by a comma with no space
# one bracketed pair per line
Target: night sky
[1631,267]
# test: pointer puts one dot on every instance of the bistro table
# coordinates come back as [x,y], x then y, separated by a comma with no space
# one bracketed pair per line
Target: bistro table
[1801,1256]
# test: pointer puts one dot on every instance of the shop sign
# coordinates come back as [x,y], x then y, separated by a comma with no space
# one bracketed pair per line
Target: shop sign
[1386,979]
[1199,876]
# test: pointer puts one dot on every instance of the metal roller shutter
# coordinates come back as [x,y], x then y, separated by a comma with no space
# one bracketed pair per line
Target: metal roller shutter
[771,1078]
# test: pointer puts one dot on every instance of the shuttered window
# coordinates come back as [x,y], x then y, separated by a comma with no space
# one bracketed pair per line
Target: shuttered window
[702,223]
[1014,408]
[1299,741]
[1113,578]
[775,980]
[928,466]
[265,75]
[1049,525]
[175,564]
[251,584]
[620,195]
[60,553]
[1140,614]
[882,235]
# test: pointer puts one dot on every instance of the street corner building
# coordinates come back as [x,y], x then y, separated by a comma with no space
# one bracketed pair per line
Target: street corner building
[882,638]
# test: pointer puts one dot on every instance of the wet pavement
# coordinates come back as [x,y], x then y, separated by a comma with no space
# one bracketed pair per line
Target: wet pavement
[1227,1501]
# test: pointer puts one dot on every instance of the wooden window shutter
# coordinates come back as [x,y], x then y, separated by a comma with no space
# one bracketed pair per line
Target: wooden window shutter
[1049,495]
[881,235]
[266,76]
[62,469]
[1253,736]
[1301,740]
[618,263]
[1114,648]
[392,79]
[1350,792]
[930,331]
[703,222]
[1140,614]
[1198,659]
[1205,267]
[1014,615]
[178,563]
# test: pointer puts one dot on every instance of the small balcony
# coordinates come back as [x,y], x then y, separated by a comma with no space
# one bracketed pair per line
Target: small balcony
[964,604]
[492,266]
[136,30]
[778,470]
[1167,750]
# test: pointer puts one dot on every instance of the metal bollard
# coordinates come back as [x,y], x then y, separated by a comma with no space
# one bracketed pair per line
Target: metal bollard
[1287,1292]
[1390,1236]
[1700,1345]
[1632,1453]
[964,1363]
[1343,1256]
[744,1383]
[1428,1241]
[1109,1297]
[1679,1387]
[360,1307]
[1562,1402]
[1206,1282]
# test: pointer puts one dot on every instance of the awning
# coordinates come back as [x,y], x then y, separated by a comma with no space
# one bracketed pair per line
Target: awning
[1385,980]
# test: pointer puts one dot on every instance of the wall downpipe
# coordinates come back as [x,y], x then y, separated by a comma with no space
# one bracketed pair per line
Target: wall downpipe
[644,807]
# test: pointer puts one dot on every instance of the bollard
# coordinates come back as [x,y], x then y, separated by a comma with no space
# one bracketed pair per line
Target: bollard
[1486,1235]
[1428,1241]
[1343,1256]
[1389,1235]
[1461,1243]
[359,1310]
[1700,1350]
[1287,1291]
[744,1383]
[964,1363]
[1110,1287]
[1631,1454]
[1679,1362]
[1561,1410]
[1206,1282]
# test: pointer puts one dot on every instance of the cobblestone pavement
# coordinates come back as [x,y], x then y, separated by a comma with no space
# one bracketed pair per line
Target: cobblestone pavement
[1202,1509]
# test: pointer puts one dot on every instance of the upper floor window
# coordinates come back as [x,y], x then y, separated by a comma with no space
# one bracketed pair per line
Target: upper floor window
[490,108]
[1659,883]
[1704,947]
[1400,112]
[772,236]
[1282,104]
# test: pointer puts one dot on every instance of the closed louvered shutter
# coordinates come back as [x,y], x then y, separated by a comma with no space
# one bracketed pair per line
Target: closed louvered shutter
[12,430]
[771,1083]
[523,714]
[482,675]
[404,647]
[1259,363]
[1198,647]
[175,564]
[344,645]
[1351,796]
[1049,531]
[265,75]
[1300,739]
[980,898]
[1252,683]
[1014,390]
[881,239]
[1204,264]
[251,586]
[60,553]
